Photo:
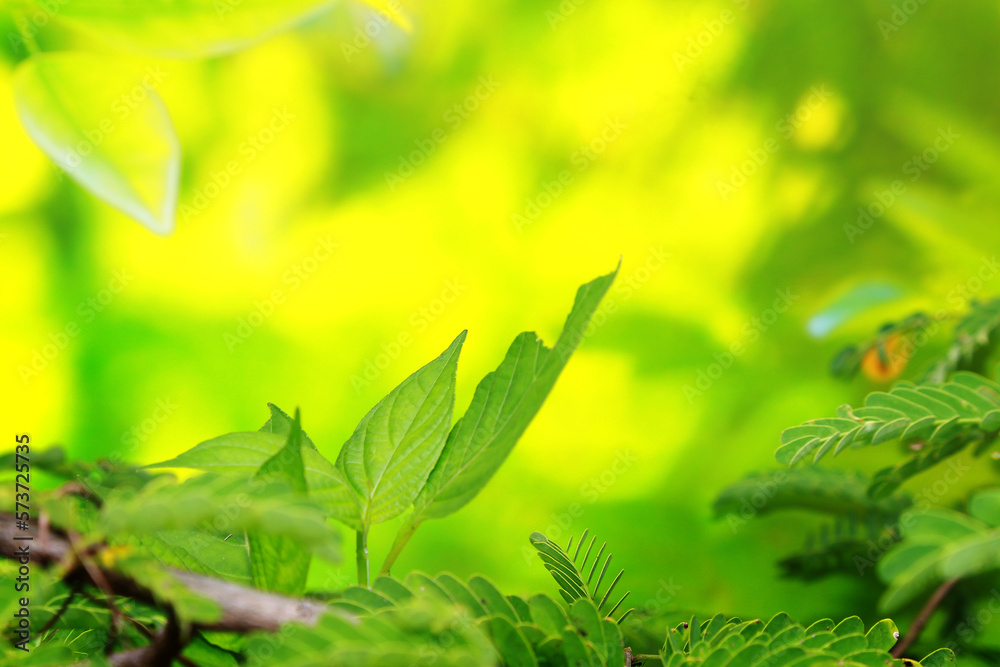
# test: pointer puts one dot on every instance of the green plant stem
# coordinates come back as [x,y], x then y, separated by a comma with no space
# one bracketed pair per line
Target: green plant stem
[925,615]
[362,553]
[402,537]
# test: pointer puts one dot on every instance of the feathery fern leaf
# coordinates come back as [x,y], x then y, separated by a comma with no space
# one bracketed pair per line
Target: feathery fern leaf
[780,642]
[575,576]
[943,419]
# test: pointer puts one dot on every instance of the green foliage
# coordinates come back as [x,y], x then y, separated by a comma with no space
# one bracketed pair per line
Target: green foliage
[405,452]
[942,545]
[732,643]
[260,510]
[504,403]
[538,631]
[387,459]
[941,419]
[279,563]
[575,576]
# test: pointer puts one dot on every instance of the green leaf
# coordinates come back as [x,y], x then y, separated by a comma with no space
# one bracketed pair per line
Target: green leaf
[514,649]
[985,506]
[970,556]
[242,454]
[278,563]
[548,615]
[883,635]
[220,503]
[221,554]
[502,407]
[183,28]
[461,594]
[392,451]
[492,599]
[939,658]
[126,154]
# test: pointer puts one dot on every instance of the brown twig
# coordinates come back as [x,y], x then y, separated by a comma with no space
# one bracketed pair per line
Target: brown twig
[923,617]
[241,609]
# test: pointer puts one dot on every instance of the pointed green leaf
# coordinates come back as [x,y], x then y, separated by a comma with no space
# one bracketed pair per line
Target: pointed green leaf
[503,405]
[491,598]
[242,454]
[278,563]
[393,449]
[511,643]
[547,614]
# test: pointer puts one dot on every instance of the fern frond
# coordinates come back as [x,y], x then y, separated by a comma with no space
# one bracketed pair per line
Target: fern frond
[573,574]
[780,643]
[938,419]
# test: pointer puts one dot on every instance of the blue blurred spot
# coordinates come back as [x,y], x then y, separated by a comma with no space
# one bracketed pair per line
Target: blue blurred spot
[851,304]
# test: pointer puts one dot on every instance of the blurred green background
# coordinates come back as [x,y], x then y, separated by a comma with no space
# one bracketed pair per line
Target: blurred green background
[471,173]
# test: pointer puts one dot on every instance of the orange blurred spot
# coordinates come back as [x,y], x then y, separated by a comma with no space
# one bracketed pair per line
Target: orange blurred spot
[886,361]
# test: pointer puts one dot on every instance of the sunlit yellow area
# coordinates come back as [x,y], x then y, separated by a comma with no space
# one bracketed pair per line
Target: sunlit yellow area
[355,192]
